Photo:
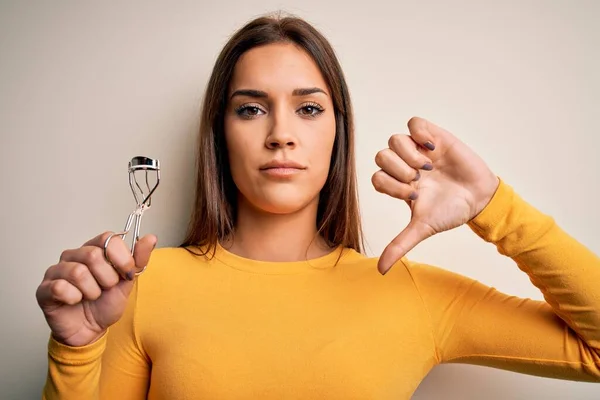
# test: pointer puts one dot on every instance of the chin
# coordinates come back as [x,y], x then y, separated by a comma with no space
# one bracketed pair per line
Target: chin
[283,202]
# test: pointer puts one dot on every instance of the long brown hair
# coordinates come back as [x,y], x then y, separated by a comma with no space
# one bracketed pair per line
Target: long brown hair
[215,206]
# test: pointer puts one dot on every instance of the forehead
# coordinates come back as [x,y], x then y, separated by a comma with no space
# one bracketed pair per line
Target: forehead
[276,67]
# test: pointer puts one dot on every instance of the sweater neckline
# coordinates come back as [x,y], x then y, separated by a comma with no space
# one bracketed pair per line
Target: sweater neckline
[278,267]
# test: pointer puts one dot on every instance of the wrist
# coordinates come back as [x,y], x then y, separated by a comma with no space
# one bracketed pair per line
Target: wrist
[78,340]
[488,190]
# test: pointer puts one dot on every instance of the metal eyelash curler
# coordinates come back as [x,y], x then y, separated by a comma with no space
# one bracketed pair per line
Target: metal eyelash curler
[142,197]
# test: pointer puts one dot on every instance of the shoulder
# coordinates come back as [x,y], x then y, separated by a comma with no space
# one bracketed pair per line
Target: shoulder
[432,281]
[167,257]
[168,263]
[421,276]
[404,273]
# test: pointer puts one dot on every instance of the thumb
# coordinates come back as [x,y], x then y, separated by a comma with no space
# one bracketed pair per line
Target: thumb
[143,250]
[411,236]
[141,255]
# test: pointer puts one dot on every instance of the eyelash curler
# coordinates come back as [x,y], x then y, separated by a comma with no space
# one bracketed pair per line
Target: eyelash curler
[143,199]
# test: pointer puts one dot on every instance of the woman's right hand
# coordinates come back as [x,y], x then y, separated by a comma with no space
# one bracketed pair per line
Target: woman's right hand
[83,294]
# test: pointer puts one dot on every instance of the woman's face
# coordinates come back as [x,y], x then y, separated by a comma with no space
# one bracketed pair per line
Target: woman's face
[279,128]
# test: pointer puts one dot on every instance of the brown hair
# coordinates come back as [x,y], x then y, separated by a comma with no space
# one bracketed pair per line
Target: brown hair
[215,206]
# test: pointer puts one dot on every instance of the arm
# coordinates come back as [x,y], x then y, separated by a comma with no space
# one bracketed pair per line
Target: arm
[476,324]
[114,367]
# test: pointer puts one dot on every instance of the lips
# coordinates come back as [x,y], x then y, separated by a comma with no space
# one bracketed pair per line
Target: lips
[282,164]
[282,170]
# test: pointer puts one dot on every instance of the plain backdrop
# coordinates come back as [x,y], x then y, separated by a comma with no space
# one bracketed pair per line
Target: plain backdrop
[85,86]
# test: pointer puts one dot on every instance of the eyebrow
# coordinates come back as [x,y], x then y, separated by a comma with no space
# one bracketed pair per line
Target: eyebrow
[261,94]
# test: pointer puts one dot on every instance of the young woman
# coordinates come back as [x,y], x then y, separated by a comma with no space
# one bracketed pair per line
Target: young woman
[270,296]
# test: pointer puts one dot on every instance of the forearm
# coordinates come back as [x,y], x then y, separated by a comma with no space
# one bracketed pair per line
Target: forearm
[113,367]
[566,272]
[73,372]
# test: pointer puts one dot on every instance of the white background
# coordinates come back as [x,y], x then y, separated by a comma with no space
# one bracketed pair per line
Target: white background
[84,86]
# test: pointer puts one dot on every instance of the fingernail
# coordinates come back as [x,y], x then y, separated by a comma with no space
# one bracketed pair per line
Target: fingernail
[413,196]
[427,166]
[429,146]
[384,272]
[417,177]
[130,275]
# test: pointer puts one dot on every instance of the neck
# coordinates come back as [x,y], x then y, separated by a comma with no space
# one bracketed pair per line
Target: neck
[277,237]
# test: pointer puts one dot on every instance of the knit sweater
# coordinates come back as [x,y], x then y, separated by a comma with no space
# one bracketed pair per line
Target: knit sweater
[227,327]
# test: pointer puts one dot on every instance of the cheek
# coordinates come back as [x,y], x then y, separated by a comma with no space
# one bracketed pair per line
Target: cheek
[322,157]
[238,148]
[322,148]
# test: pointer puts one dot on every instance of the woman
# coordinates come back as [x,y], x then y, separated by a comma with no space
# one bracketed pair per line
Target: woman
[270,296]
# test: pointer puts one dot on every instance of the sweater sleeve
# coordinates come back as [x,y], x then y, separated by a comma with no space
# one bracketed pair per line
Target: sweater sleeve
[476,324]
[113,367]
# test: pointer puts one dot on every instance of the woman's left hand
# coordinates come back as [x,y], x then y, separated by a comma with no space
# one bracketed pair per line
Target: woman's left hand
[442,180]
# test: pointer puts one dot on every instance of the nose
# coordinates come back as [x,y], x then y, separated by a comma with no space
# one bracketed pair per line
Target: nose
[280,134]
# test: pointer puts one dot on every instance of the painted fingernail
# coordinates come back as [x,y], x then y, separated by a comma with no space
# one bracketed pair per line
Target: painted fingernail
[413,196]
[429,146]
[130,275]
[417,177]
[427,166]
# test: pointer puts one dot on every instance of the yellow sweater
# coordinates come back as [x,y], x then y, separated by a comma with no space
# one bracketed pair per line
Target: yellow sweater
[233,328]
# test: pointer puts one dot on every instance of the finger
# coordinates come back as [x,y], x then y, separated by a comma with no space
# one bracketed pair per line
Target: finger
[395,166]
[429,135]
[406,148]
[104,274]
[120,255]
[411,236]
[117,253]
[78,275]
[93,257]
[143,250]
[384,183]
[58,291]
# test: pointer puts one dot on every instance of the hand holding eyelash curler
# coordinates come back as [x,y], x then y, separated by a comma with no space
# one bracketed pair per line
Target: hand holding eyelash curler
[82,295]
[143,198]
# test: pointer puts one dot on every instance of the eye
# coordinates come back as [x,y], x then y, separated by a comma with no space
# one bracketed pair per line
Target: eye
[310,109]
[249,111]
